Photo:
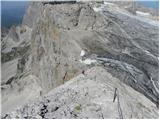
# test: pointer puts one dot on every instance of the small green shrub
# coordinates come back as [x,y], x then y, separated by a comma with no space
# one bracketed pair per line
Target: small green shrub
[78,108]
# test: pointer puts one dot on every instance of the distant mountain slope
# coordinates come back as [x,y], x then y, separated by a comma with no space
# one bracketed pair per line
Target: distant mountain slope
[46,51]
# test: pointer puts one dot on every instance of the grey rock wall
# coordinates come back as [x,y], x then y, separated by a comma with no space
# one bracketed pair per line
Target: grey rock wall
[44,53]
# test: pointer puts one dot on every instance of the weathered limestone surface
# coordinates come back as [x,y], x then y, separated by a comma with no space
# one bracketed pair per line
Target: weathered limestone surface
[44,52]
[97,94]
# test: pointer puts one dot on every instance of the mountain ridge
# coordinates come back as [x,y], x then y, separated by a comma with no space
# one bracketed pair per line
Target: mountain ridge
[47,48]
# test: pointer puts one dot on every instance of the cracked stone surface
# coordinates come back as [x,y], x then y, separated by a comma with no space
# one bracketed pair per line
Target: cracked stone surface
[89,95]
[44,52]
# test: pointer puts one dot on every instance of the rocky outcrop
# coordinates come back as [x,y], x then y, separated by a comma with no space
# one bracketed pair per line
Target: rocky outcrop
[4,32]
[46,52]
[54,46]
[95,94]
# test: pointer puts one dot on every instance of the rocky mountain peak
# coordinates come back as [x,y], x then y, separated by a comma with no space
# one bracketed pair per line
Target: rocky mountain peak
[47,52]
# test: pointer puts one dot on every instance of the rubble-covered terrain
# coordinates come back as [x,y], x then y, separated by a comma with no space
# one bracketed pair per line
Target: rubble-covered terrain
[94,94]
[80,60]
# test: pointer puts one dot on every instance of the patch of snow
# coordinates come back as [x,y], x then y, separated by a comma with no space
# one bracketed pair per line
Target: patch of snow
[88,61]
[142,13]
[148,53]
[108,3]
[97,9]
[154,85]
[82,53]
[145,19]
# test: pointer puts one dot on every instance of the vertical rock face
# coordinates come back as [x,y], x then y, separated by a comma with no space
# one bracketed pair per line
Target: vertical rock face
[50,59]
[32,13]
[55,53]
[47,47]
[62,30]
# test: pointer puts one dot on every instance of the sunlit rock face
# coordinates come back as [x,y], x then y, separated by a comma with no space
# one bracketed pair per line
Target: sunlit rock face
[95,94]
[46,52]
[57,41]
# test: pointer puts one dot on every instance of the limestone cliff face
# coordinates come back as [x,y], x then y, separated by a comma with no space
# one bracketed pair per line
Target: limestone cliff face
[47,47]
[57,41]
[62,31]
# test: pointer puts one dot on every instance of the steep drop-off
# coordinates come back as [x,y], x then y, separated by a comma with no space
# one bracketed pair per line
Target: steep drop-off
[44,53]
